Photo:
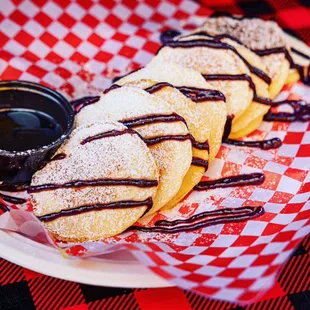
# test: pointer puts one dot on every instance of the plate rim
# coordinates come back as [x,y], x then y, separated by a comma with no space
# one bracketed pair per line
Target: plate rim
[85,271]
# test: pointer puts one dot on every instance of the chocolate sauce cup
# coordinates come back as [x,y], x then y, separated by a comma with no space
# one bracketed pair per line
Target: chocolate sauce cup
[17,168]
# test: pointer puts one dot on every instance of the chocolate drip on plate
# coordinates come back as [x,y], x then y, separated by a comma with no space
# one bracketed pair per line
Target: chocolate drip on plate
[255,178]
[127,204]
[204,219]
[92,183]
[301,112]
[112,133]
[219,45]
[268,144]
[85,101]
[11,199]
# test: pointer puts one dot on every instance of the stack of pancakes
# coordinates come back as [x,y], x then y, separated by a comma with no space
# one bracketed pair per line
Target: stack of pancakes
[150,138]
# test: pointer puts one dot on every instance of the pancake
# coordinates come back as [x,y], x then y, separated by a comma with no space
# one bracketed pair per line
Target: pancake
[259,36]
[163,130]
[215,64]
[91,207]
[205,119]
[247,120]
[210,115]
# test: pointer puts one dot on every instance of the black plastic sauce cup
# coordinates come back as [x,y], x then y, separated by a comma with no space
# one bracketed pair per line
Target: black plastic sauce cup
[17,168]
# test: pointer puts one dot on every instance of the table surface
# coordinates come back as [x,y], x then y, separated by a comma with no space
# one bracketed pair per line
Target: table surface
[23,289]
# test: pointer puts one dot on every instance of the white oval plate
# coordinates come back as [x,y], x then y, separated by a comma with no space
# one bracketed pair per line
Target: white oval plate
[119,269]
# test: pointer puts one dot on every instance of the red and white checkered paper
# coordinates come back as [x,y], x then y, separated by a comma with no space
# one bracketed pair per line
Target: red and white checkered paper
[76,47]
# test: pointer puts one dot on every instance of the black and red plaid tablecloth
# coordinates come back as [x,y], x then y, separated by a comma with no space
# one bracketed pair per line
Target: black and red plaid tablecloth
[23,289]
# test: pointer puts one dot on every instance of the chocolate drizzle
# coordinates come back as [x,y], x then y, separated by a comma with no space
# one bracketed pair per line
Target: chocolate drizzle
[4,208]
[201,95]
[155,140]
[200,145]
[59,156]
[143,183]
[126,204]
[304,71]
[193,93]
[204,219]
[301,112]
[196,161]
[255,178]
[238,77]
[112,133]
[113,86]
[11,199]
[85,101]
[7,187]
[230,77]
[168,35]
[273,143]
[219,45]
[150,119]
[227,128]
[294,50]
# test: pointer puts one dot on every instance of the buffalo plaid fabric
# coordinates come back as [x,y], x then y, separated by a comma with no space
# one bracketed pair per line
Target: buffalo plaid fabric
[49,42]
[24,289]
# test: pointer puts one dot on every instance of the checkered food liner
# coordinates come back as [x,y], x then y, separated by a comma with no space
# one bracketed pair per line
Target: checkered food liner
[77,47]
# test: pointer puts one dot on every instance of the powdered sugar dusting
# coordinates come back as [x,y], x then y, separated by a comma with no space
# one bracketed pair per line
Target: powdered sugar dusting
[119,157]
[254,32]
[172,157]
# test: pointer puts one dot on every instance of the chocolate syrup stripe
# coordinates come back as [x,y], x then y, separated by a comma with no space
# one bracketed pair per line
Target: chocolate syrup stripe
[301,112]
[84,101]
[227,128]
[112,133]
[304,71]
[126,204]
[301,109]
[232,181]
[269,144]
[156,140]
[93,183]
[216,37]
[154,118]
[238,77]
[205,222]
[294,50]
[231,77]
[193,93]
[11,199]
[203,215]
[4,208]
[219,45]
[196,161]
[59,156]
